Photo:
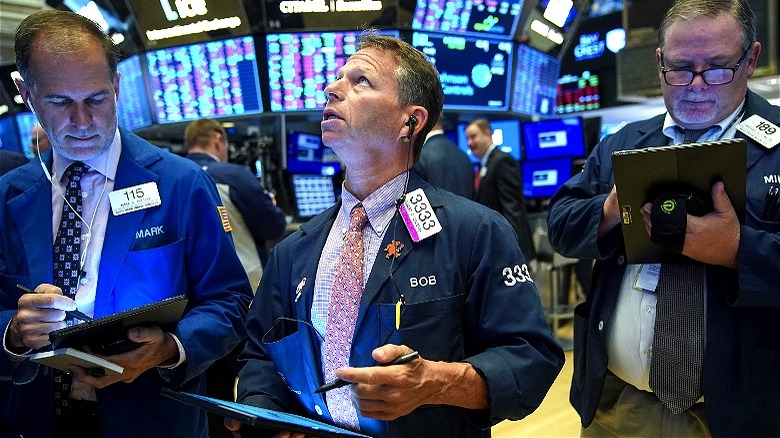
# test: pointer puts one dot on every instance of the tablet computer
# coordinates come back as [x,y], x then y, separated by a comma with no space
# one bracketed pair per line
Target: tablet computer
[262,418]
[643,174]
[108,336]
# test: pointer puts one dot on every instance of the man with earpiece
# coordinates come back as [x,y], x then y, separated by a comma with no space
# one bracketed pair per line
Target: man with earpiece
[397,271]
[129,224]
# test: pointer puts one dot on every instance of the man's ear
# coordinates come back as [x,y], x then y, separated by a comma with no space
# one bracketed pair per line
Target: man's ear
[24,90]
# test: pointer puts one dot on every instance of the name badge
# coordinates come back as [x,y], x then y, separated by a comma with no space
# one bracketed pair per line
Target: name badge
[134,198]
[418,216]
[647,279]
[766,133]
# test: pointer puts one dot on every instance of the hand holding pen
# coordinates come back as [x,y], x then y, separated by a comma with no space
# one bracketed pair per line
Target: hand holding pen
[400,360]
[38,313]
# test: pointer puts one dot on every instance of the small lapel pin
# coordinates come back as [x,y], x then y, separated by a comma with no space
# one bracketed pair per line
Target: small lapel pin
[299,289]
[393,249]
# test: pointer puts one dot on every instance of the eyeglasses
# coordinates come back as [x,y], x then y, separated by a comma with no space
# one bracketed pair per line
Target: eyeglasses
[711,76]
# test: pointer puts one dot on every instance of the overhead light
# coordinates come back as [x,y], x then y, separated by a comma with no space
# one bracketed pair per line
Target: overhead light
[557,11]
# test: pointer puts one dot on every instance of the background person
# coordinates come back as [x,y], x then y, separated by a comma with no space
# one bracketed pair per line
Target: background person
[707,51]
[444,165]
[500,184]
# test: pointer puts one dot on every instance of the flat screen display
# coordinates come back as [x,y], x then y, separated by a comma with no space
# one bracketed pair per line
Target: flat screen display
[301,65]
[554,138]
[9,137]
[474,72]
[541,178]
[132,107]
[313,194]
[167,23]
[496,18]
[535,88]
[506,136]
[578,93]
[25,122]
[210,79]
[329,14]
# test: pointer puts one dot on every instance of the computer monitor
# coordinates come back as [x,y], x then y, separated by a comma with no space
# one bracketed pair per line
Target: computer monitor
[493,18]
[209,79]
[9,137]
[541,178]
[474,71]
[554,138]
[313,194]
[302,64]
[535,87]
[25,122]
[132,107]
[506,137]
[307,154]
[283,15]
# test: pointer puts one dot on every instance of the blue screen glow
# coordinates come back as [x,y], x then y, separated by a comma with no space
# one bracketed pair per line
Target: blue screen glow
[497,18]
[554,138]
[541,178]
[132,107]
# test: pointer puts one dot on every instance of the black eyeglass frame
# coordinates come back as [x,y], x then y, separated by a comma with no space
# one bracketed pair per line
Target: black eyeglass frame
[701,73]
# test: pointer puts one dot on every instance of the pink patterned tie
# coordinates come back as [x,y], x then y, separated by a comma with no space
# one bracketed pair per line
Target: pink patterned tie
[342,315]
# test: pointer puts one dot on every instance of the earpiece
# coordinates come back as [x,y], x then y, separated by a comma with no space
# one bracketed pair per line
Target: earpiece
[411,123]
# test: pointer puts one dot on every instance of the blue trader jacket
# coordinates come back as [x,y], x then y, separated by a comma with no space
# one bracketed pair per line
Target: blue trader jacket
[742,352]
[179,247]
[467,299]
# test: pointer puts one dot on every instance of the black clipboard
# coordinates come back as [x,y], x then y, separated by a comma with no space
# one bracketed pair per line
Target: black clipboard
[108,336]
[640,175]
[260,417]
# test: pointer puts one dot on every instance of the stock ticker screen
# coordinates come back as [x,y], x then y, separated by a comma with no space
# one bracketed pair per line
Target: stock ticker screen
[132,107]
[496,18]
[474,72]
[302,64]
[208,79]
[535,91]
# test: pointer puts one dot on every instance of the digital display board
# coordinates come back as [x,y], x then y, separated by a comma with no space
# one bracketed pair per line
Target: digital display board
[132,107]
[301,65]
[554,138]
[25,122]
[535,86]
[505,134]
[210,79]
[322,15]
[497,18]
[167,23]
[9,137]
[541,178]
[578,93]
[474,72]
[15,104]
[313,194]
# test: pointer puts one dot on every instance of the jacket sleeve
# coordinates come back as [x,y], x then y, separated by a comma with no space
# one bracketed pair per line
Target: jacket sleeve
[575,209]
[265,220]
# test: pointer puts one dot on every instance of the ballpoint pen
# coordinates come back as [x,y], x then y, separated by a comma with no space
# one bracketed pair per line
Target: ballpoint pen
[70,313]
[400,360]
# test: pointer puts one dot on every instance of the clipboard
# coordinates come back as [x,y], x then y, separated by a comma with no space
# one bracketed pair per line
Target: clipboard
[641,174]
[260,417]
[108,336]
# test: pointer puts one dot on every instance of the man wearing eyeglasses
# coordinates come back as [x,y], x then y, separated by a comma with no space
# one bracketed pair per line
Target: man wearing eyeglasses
[707,51]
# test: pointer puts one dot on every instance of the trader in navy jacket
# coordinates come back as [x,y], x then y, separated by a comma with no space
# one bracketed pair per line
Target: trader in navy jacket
[740,385]
[462,297]
[171,241]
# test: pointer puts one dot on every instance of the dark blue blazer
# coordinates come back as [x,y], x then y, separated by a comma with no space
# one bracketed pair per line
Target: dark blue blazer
[467,299]
[190,254]
[742,353]
[264,220]
[444,165]
[501,188]
[11,160]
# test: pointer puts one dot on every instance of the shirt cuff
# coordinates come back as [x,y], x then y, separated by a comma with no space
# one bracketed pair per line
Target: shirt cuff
[182,355]
[14,357]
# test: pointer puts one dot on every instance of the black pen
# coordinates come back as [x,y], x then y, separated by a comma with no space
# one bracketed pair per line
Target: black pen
[69,313]
[400,360]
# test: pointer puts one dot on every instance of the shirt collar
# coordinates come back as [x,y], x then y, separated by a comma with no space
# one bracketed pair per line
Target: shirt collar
[380,205]
[434,132]
[105,163]
[724,127]
[484,159]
